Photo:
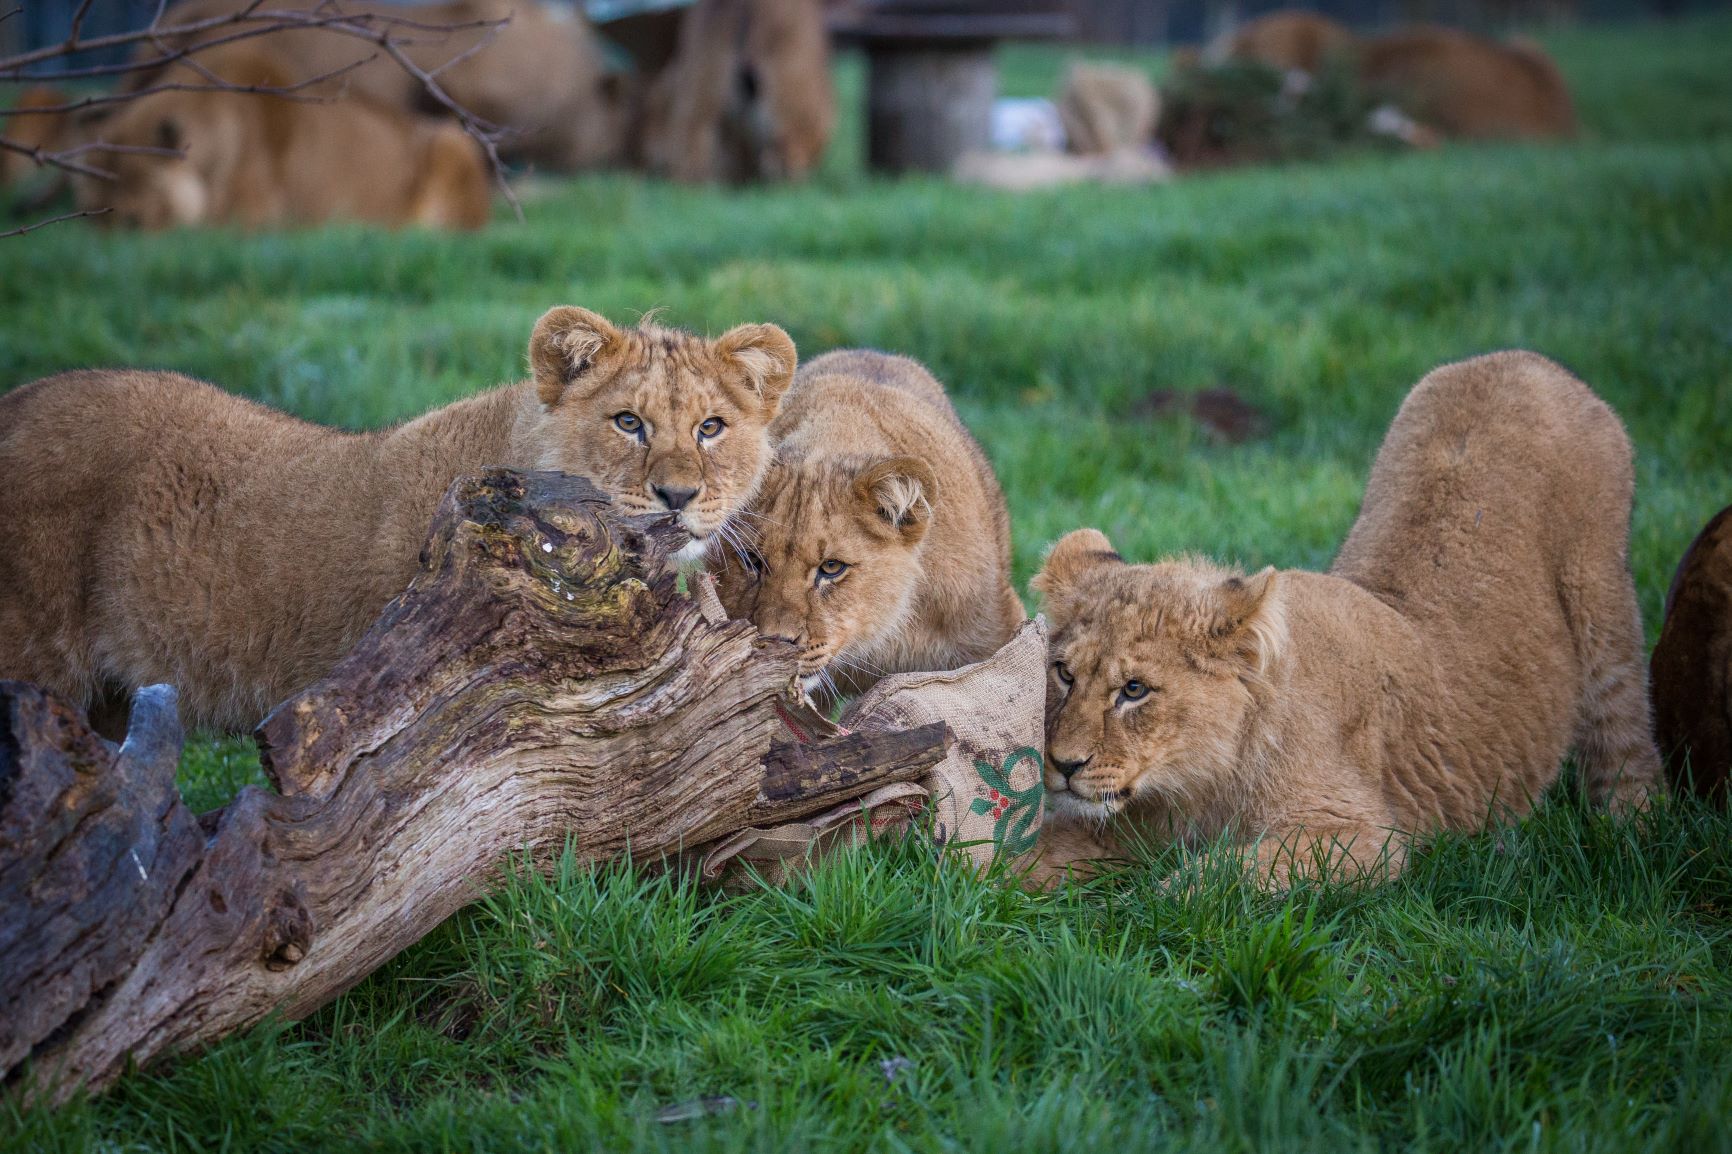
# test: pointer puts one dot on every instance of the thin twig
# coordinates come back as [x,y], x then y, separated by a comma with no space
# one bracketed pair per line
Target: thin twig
[46,159]
[78,22]
[286,91]
[54,220]
[270,21]
[482,132]
[178,44]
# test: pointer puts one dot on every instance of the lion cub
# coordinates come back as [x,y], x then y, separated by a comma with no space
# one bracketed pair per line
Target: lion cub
[880,542]
[154,528]
[1478,623]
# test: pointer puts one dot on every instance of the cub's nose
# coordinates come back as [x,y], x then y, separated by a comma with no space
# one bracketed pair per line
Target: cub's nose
[674,499]
[1067,768]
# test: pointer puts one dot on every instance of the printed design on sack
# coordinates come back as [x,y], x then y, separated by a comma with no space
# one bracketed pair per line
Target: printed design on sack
[1015,812]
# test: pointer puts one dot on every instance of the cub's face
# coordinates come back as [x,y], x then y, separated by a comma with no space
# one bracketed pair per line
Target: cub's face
[828,558]
[1151,674]
[664,421]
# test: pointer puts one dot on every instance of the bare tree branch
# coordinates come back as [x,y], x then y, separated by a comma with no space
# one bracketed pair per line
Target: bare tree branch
[267,21]
[47,159]
[181,43]
[53,220]
[78,21]
[287,92]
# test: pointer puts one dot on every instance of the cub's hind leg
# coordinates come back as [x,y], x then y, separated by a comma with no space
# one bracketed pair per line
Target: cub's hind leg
[1614,740]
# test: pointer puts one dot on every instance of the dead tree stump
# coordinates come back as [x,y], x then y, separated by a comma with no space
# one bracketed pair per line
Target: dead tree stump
[541,681]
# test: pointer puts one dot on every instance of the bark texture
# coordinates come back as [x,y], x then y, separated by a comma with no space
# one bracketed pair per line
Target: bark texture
[542,679]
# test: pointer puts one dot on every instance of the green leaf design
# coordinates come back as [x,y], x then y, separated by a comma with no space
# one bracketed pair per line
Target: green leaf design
[1019,824]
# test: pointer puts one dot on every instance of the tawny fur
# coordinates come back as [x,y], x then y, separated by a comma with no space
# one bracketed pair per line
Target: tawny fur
[262,161]
[1290,40]
[1106,108]
[1692,665]
[1479,623]
[47,131]
[154,528]
[1468,87]
[874,469]
[747,95]
[541,76]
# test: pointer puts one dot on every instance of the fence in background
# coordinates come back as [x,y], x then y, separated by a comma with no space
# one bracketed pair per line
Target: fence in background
[1147,23]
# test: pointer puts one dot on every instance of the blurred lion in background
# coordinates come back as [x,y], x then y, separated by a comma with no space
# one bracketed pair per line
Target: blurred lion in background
[1435,82]
[26,125]
[262,161]
[746,96]
[1468,87]
[1292,40]
[540,76]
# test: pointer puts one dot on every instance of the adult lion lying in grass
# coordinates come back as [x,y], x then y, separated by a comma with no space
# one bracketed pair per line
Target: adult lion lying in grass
[536,71]
[1479,622]
[261,161]
[154,528]
[1469,87]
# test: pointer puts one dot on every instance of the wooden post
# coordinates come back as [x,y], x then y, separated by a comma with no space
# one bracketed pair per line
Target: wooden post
[927,104]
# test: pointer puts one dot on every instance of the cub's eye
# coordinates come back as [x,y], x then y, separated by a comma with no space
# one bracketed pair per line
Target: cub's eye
[1133,690]
[753,561]
[711,427]
[831,569]
[1062,671]
[629,423]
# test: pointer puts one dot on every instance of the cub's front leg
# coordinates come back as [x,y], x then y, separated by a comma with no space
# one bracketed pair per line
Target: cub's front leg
[1349,852]
[1070,850]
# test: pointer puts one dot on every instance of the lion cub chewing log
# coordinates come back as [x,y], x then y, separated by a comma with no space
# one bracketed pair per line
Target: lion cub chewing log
[154,528]
[880,542]
[264,161]
[1479,622]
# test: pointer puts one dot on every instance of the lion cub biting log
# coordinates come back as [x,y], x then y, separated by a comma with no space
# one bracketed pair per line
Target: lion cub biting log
[1479,622]
[880,542]
[154,528]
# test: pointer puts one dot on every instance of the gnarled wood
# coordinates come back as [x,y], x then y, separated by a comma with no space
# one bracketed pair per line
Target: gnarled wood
[541,680]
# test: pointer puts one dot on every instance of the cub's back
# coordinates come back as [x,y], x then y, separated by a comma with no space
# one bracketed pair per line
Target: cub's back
[105,470]
[1498,512]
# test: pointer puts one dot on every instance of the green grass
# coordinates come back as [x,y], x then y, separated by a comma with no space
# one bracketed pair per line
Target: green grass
[1559,986]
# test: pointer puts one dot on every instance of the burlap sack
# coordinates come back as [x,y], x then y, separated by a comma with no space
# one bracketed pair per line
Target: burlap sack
[987,793]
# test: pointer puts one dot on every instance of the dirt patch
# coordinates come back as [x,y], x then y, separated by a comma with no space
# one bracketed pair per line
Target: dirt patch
[1221,412]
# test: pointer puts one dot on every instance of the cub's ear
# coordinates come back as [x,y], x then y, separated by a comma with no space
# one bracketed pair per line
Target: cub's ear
[1251,619]
[898,492]
[1071,556]
[765,355]
[566,343]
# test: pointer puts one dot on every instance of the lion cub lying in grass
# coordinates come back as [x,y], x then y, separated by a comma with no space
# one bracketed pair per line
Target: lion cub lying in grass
[154,528]
[1479,622]
[880,542]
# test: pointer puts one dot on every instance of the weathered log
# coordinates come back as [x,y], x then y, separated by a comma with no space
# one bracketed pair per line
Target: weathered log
[542,682]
